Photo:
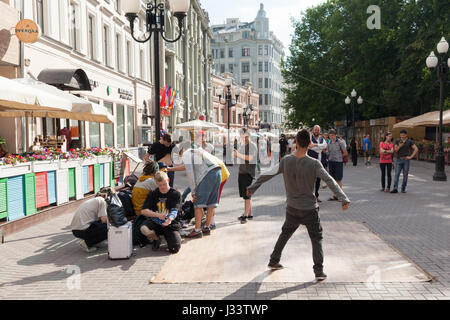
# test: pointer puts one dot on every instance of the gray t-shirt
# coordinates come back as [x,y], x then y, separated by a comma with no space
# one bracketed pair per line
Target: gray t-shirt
[406,150]
[88,212]
[248,167]
[300,176]
[335,150]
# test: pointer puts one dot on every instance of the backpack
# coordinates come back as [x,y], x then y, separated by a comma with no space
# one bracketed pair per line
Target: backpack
[130,181]
[125,198]
[187,211]
[115,211]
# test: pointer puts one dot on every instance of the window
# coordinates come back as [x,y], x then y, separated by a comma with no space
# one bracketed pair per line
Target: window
[266,50]
[106,45]
[270,83]
[222,68]
[94,134]
[118,51]
[230,53]
[129,57]
[266,66]
[120,126]
[266,83]
[109,129]
[91,28]
[130,126]
[222,53]
[246,34]
[246,52]
[40,14]
[260,50]
[260,98]
[245,67]
[260,83]
[230,67]
[266,99]
[234,116]
[260,66]
[73,25]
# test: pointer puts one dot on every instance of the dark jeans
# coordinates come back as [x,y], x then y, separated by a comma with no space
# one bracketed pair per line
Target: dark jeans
[386,168]
[401,165]
[96,233]
[354,157]
[171,233]
[317,187]
[295,218]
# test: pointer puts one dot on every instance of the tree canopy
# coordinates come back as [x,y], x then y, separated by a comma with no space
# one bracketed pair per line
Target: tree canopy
[333,51]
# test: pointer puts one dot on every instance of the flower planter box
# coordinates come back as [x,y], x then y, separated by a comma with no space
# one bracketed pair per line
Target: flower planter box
[41,166]
[88,162]
[103,159]
[15,170]
[66,164]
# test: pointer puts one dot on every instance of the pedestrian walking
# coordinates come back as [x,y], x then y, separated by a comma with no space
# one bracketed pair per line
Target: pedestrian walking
[283,146]
[300,174]
[367,147]
[354,151]
[246,156]
[406,150]
[337,150]
[386,153]
[318,144]
[290,144]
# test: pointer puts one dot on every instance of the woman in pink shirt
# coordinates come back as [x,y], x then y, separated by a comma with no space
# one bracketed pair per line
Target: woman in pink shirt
[386,154]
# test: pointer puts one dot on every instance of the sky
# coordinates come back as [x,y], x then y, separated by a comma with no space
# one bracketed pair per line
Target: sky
[279,13]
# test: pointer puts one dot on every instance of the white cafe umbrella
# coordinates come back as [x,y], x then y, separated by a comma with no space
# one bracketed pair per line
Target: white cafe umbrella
[199,125]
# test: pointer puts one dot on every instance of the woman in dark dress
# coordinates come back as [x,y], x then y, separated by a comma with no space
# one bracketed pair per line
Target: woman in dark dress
[354,150]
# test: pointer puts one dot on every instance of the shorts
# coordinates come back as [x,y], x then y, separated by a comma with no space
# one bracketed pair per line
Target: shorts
[367,153]
[245,180]
[336,170]
[207,192]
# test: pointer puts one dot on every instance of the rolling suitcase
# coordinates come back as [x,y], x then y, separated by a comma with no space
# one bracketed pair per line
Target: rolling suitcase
[120,242]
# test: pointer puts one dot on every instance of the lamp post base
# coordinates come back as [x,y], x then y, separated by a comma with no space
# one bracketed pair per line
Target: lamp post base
[439,174]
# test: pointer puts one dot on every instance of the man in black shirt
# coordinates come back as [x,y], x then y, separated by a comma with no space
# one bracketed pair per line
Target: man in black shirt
[161,208]
[162,151]
[406,150]
[283,146]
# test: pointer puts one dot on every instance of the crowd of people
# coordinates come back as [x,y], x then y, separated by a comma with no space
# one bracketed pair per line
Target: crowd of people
[307,162]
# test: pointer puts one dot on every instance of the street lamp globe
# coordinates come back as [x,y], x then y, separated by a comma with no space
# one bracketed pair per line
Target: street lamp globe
[131,7]
[181,6]
[360,100]
[347,100]
[228,82]
[354,94]
[237,92]
[432,60]
[442,46]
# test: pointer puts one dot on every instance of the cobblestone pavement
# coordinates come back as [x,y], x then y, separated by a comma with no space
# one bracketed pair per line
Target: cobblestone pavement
[42,262]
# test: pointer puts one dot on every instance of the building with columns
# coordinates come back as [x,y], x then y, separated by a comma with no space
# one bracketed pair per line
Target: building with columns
[246,98]
[252,53]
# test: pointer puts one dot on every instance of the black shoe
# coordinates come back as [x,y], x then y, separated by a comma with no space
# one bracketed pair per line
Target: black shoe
[403,191]
[250,217]
[275,266]
[156,244]
[206,231]
[394,191]
[194,234]
[320,276]
[243,219]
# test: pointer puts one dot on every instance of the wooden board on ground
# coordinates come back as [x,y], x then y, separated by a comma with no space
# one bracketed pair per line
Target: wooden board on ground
[240,253]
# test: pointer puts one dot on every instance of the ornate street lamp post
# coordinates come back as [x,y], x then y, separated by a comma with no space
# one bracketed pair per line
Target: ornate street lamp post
[352,102]
[155,23]
[442,74]
[229,103]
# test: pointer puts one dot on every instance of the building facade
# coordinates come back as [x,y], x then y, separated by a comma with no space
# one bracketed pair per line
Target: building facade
[252,53]
[237,119]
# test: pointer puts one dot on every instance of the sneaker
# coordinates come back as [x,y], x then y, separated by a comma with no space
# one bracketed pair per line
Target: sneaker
[156,244]
[85,247]
[195,234]
[275,266]
[243,219]
[146,231]
[394,191]
[320,276]
[250,217]
[206,231]
[212,227]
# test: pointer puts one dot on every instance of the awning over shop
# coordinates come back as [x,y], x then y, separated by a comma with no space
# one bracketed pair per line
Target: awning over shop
[66,79]
[430,119]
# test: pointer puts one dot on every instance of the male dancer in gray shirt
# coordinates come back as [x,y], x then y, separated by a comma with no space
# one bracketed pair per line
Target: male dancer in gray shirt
[300,173]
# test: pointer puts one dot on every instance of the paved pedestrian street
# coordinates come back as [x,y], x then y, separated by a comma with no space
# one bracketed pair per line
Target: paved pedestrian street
[380,234]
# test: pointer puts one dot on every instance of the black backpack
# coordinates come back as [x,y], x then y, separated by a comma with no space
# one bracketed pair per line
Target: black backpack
[125,198]
[187,211]
[115,211]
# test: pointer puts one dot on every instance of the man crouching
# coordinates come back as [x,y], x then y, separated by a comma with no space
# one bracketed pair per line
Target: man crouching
[161,207]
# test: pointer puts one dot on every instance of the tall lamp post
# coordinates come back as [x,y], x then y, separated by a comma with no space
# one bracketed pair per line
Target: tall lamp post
[155,23]
[352,102]
[229,103]
[442,74]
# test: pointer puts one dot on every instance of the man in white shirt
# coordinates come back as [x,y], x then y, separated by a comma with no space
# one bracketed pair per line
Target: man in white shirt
[318,144]
[291,144]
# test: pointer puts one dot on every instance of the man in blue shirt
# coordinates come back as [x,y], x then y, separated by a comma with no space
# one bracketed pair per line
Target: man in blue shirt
[367,147]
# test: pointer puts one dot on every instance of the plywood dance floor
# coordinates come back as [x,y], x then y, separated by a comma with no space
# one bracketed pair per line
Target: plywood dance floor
[240,253]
